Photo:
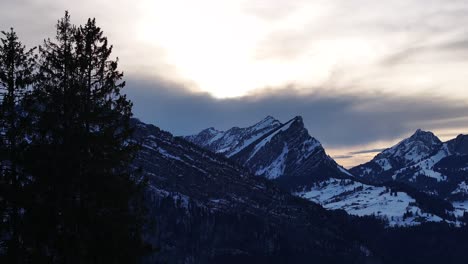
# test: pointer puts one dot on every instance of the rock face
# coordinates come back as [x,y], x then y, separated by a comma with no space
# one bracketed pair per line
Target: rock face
[283,152]
[235,139]
[208,209]
[288,155]
[424,162]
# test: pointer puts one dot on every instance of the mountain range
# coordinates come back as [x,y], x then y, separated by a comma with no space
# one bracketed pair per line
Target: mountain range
[424,162]
[269,193]
[420,179]
[209,209]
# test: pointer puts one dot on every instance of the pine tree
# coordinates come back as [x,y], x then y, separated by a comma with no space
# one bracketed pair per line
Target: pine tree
[105,119]
[88,200]
[16,75]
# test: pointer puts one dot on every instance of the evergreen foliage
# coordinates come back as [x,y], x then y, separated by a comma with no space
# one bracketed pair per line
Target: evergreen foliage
[83,201]
[17,67]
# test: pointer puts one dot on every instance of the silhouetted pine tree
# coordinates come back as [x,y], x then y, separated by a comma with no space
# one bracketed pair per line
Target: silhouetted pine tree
[16,75]
[87,206]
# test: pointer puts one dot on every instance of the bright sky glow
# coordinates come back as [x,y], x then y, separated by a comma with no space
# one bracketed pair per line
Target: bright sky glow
[233,49]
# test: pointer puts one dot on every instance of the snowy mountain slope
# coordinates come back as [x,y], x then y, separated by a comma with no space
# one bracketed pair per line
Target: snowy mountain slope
[291,157]
[235,139]
[398,208]
[413,151]
[422,161]
[283,152]
[208,209]
[288,155]
[413,161]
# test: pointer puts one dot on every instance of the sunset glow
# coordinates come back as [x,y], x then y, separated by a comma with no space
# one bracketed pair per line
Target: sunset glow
[360,54]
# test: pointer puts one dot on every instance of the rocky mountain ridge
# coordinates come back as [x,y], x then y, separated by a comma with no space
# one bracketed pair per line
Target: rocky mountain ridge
[208,209]
[289,156]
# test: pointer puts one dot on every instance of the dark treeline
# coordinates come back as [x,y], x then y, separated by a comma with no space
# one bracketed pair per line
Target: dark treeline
[67,194]
[428,243]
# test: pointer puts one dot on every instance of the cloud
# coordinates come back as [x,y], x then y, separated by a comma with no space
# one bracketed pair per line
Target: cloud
[422,51]
[362,70]
[401,46]
[232,47]
[272,10]
[367,151]
[342,157]
[335,118]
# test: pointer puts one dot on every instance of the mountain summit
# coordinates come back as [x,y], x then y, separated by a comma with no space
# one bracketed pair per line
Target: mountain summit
[287,154]
[284,152]
[424,162]
[410,150]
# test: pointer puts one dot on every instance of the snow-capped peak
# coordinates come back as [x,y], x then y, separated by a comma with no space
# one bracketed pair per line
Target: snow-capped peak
[412,149]
[268,121]
[232,141]
[275,150]
[426,137]
[422,161]
[211,131]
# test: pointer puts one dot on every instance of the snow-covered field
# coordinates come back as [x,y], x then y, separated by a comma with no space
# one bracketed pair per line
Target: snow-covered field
[361,199]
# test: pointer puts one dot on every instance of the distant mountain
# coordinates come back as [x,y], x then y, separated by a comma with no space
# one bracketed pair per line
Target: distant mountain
[208,209]
[283,152]
[287,154]
[424,162]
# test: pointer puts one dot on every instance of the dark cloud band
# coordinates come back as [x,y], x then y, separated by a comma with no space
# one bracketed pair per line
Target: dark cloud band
[336,119]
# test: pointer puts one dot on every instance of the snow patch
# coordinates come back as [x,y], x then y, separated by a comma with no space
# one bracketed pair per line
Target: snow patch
[266,140]
[361,199]
[276,168]
[384,164]
[344,171]
[166,154]
[460,208]
[461,188]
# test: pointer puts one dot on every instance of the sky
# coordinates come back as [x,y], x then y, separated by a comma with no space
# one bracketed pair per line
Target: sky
[363,74]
